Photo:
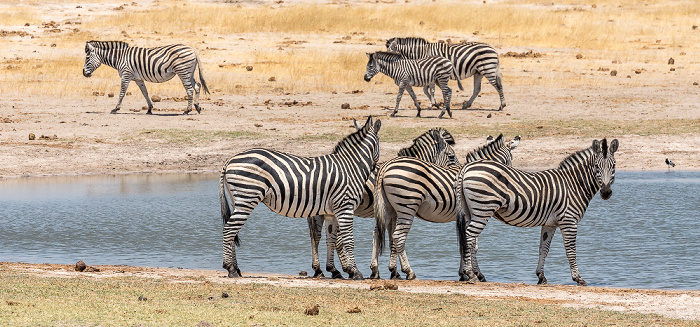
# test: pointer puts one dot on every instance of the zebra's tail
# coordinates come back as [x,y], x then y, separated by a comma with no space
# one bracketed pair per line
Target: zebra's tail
[380,213]
[463,214]
[201,77]
[225,209]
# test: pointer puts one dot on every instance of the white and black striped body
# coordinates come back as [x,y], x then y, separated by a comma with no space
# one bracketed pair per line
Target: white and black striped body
[433,146]
[408,188]
[469,59]
[406,73]
[556,198]
[296,186]
[156,65]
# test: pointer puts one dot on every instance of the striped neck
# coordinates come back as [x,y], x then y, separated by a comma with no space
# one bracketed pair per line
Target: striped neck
[579,168]
[496,151]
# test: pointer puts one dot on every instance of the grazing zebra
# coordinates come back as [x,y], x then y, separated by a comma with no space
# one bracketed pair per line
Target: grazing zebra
[551,198]
[156,65]
[413,72]
[297,187]
[433,146]
[408,187]
[471,58]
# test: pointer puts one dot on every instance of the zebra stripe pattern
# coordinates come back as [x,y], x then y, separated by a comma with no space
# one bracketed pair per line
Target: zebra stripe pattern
[408,187]
[407,73]
[156,65]
[298,187]
[469,59]
[551,198]
[433,146]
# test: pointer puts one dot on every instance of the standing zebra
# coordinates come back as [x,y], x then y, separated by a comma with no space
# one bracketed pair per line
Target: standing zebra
[156,65]
[297,187]
[551,198]
[471,58]
[409,187]
[433,146]
[413,72]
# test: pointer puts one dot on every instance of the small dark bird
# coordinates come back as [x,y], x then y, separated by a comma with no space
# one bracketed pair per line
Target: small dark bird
[670,164]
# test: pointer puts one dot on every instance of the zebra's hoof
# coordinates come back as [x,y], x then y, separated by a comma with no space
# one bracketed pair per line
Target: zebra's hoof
[198,108]
[392,115]
[395,276]
[482,278]
[114,111]
[410,276]
[336,275]
[187,112]
[541,280]
[581,282]
[318,274]
[356,276]
[374,275]
[234,273]
[149,112]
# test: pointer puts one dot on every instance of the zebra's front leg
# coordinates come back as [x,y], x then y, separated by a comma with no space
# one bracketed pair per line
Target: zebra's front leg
[333,246]
[315,230]
[568,233]
[446,97]
[187,81]
[402,87]
[430,94]
[477,89]
[142,86]
[345,234]
[415,99]
[125,85]
[546,236]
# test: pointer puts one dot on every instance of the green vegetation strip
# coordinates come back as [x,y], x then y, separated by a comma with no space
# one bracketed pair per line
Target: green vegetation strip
[182,135]
[120,301]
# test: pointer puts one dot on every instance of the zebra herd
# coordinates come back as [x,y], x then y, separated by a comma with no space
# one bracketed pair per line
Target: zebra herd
[408,61]
[425,180]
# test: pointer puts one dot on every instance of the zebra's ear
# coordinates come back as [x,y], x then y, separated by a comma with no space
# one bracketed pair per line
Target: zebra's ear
[88,47]
[489,139]
[441,144]
[596,146]
[369,55]
[356,124]
[613,146]
[514,142]
[377,126]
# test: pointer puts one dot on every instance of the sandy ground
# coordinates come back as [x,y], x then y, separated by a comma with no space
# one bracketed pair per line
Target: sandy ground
[672,304]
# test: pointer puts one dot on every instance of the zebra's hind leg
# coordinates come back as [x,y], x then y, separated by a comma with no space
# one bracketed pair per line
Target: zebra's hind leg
[241,211]
[142,86]
[187,79]
[429,91]
[332,246]
[568,233]
[446,97]
[197,88]
[497,82]
[471,270]
[315,230]
[546,236]
[415,99]
[374,266]
[345,235]
[477,89]
[404,220]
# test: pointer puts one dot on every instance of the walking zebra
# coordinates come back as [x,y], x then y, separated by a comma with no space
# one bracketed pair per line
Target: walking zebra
[297,187]
[471,58]
[551,198]
[433,146]
[407,73]
[409,187]
[156,65]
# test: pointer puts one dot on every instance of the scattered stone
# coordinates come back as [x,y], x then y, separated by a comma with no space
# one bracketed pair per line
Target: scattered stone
[389,285]
[356,92]
[579,56]
[695,83]
[682,53]
[303,273]
[92,269]
[671,61]
[613,73]
[354,310]
[673,69]
[110,94]
[257,125]
[312,311]
[144,108]
[540,127]
[143,298]
[272,79]
[224,295]
[629,76]
[248,68]
[376,287]
[603,69]
[526,54]
[594,6]
[476,33]
[695,27]
[80,265]
[637,71]
[155,98]
[345,106]
[32,137]
[488,116]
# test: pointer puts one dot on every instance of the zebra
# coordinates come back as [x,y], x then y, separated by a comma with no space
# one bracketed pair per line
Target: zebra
[409,187]
[469,58]
[433,146]
[551,198]
[156,65]
[297,187]
[413,72]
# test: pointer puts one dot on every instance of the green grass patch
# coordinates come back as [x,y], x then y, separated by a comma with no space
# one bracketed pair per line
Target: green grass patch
[174,135]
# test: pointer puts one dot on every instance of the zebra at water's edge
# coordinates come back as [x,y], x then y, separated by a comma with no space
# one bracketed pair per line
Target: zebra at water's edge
[156,65]
[296,186]
[406,73]
[555,198]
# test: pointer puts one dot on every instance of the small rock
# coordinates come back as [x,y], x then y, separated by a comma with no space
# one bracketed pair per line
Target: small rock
[144,108]
[376,287]
[92,269]
[389,285]
[695,27]
[345,106]
[694,83]
[110,94]
[224,295]
[80,265]
[248,68]
[354,310]
[155,98]
[613,73]
[272,79]
[96,93]
[637,71]
[671,61]
[579,56]
[32,137]
[594,6]
[312,311]
[257,125]
[628,76]
[488,116]
[673,69]
[143,298]
[303,273]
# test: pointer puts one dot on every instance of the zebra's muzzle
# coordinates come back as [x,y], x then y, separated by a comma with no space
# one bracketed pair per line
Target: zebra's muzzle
[605,192]
[86,74]
[368,78]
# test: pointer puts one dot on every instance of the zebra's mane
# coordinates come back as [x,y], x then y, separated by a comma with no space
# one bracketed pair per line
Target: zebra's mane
[484,151]
[105,45]
[350,139]
[577,158]
[406,40]
[427,138]
[387,56]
